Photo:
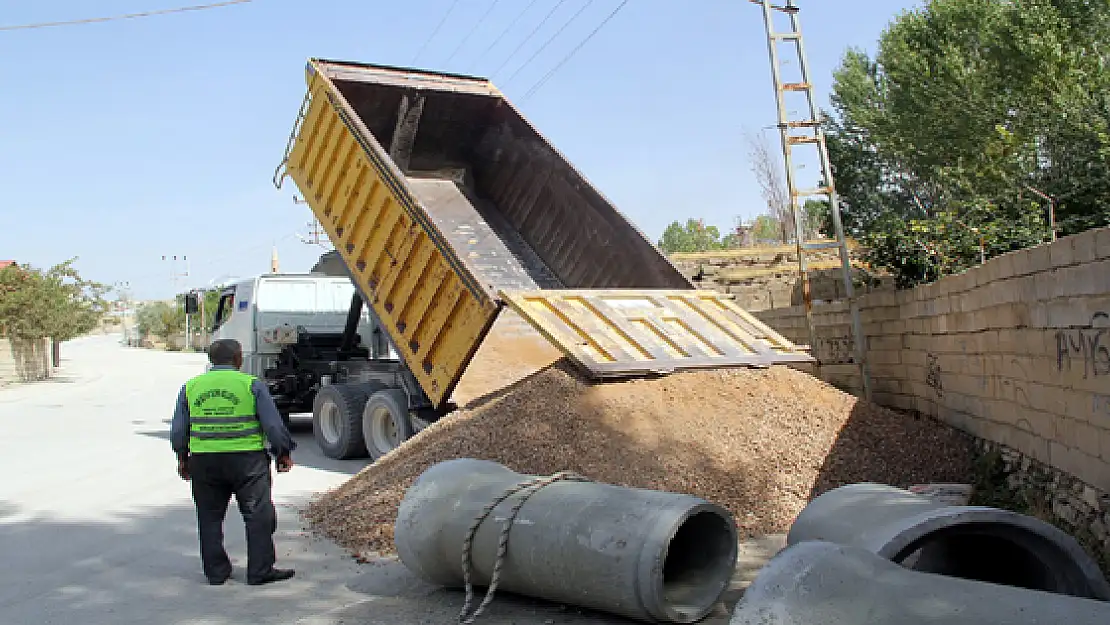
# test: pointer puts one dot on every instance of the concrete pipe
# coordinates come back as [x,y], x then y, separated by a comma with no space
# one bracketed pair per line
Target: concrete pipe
[972,542]
[820,583]
[647,555]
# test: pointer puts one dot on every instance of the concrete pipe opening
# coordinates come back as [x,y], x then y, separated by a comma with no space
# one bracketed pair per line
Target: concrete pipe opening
[970,542]
[698,565]
[999,554]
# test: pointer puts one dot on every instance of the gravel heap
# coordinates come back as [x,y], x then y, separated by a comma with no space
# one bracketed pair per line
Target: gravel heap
[760,442]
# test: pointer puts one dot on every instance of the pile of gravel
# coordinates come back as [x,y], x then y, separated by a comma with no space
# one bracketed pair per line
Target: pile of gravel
[760,442]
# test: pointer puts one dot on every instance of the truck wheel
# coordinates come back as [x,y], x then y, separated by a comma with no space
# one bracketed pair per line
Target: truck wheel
[337,421]
[385,422]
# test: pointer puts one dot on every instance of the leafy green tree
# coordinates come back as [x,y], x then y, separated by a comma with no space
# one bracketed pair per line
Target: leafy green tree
[692,237]
[56,303]
[767,228]
[970,115]
[160,319]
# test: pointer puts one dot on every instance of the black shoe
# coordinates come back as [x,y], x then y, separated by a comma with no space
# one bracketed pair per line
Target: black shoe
[218,581]
[274,575]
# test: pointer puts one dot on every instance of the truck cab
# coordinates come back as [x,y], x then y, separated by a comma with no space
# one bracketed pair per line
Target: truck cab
[319,350]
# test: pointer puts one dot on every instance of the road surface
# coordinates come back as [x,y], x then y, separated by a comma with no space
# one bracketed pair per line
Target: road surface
[96,528]
[95,525]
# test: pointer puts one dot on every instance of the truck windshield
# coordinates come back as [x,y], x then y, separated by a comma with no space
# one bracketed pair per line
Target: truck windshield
[314,296]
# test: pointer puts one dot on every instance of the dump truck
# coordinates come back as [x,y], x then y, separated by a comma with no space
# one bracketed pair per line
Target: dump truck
[445,206]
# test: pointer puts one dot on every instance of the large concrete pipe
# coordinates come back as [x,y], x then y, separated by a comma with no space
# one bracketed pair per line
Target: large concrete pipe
[647,555]
[820,583]
[972,542]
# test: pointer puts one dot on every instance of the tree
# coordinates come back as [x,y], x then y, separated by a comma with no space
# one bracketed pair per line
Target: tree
[768,173]
[693,237]
[57,303]
[972,112]
[160,319]
[767,228]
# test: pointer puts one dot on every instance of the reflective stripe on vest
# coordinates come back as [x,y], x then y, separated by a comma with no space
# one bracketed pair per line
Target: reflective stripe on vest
[222,415]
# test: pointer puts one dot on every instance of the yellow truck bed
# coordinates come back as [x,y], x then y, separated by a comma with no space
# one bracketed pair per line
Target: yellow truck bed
[446,205]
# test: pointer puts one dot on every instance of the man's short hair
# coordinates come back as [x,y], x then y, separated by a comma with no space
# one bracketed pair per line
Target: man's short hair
[224,351]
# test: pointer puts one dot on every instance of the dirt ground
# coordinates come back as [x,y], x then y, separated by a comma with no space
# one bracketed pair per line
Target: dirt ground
[760,442]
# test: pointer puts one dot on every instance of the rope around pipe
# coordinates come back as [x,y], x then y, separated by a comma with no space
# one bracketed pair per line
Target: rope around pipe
[526,488]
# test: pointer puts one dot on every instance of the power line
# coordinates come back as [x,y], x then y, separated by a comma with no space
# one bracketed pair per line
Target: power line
[551,73]
[92,20]
[505,32]
[434,32]
[470,34]
[212,260]
[529,37]
[550,39]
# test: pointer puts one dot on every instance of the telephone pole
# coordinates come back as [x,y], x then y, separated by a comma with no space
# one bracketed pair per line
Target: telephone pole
[174,275]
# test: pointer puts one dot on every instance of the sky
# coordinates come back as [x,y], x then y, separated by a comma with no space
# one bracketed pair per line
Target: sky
[124,141]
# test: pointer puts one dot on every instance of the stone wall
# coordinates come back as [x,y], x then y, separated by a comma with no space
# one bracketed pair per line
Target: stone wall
[1016,351]
[762,278]
[24,361]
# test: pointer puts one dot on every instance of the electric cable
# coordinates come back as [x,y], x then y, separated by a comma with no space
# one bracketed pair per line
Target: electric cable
[555,69]
[127,16]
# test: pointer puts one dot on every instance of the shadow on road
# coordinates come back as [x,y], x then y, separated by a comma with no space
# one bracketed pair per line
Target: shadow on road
[144,568]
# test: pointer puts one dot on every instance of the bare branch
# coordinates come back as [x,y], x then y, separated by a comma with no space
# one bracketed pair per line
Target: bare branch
[768,173]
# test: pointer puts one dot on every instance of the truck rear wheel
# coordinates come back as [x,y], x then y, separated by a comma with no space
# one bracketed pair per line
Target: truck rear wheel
[385,422]
[337,421]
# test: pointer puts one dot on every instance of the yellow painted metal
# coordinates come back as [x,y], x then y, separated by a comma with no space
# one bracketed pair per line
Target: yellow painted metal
[428,302]
[627,332]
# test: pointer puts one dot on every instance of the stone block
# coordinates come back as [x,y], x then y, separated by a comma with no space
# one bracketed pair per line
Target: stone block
[1093,408]
[1087,439]
[1045,284]
[1039,259]
[1062,252]
[1023,262]
[1102,242]
[883,342]
[1040,424]
[1046,398]
[1003,266]
[1084,246]
[1104,443]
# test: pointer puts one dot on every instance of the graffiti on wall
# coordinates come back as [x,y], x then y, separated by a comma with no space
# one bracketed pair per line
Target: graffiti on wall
[932,374]
[837,350]
[1088,347]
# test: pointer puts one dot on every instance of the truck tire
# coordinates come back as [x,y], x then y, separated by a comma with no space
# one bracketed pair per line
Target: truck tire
[385,422]
[337,421]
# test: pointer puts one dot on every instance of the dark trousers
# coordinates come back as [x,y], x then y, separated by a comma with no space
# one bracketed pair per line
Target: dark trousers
[215,478]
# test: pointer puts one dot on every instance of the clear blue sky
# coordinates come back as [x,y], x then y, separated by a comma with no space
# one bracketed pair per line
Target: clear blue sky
[127,140]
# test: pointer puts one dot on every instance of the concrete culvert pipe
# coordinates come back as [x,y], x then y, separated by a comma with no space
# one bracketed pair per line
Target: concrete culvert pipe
[820,583]
[972,542]
[647,555]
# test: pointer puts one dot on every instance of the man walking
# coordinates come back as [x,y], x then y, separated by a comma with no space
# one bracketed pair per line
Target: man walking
[220,426]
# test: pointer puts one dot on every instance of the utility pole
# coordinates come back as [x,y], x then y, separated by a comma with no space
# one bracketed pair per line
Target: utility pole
[801,133]
[174,275]
[316,235]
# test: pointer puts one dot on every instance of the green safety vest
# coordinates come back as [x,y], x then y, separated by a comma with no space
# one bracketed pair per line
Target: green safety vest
[222,416]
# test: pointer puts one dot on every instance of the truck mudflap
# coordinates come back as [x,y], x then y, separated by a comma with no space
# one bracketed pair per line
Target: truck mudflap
[615,333]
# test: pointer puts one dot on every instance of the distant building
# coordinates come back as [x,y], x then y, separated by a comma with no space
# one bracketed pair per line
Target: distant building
[6,263]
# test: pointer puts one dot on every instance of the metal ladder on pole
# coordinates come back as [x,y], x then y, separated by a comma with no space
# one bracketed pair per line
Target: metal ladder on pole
[809,133]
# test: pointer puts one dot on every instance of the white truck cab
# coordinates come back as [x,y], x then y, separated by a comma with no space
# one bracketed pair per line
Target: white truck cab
[318,348]
[264,313]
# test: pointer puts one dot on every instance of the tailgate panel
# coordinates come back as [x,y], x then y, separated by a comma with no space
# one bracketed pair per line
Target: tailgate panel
[616,333]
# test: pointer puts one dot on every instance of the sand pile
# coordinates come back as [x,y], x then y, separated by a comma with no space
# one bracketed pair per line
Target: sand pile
[760,442]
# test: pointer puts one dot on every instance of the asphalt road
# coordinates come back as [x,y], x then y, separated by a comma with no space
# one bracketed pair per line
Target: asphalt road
[95,525]
[96,528]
